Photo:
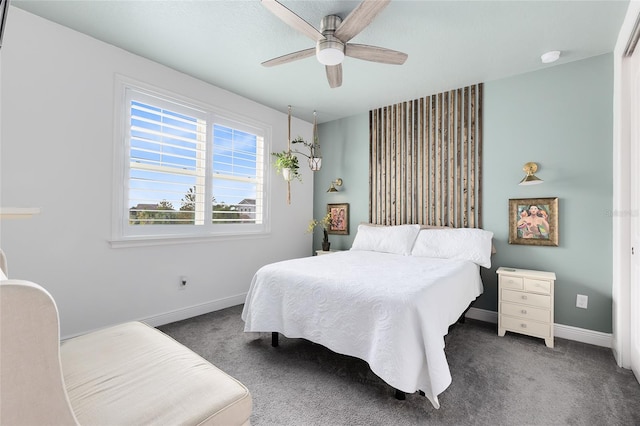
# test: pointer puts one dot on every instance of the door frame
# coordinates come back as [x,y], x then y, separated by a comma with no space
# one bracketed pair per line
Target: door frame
[621,212]
[634,222]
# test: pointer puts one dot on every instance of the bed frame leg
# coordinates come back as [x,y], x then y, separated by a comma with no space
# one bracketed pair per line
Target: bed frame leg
[462,317]
[274,339]
[400,396]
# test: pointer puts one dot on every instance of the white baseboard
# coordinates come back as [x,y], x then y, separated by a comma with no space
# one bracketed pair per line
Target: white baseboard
[181,314]
[583,335]
[559,330]
[195,310]
[482,315]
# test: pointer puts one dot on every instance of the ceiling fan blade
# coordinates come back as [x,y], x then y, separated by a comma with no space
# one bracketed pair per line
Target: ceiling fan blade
[292,19]
[334,75]
[359,18]
[375,54]
[290,57]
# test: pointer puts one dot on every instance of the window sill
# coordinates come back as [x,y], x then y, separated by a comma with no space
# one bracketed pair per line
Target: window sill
[143,241]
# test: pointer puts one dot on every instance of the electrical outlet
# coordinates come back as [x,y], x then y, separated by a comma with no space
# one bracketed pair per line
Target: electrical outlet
[582,301]
[183,282]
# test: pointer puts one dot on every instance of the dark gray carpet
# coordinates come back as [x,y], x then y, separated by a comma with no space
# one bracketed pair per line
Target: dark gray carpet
[511,380]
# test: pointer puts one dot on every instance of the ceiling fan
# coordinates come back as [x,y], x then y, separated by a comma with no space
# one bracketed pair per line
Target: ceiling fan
[332,39]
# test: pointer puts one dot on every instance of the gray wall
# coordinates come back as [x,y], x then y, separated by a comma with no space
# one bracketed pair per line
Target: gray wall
[561,118]
[57,105]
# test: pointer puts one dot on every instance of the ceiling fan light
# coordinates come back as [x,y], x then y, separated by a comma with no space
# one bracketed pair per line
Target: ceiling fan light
[330,52]
[330,56]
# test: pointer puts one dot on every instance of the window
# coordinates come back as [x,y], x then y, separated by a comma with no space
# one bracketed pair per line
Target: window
[188,171]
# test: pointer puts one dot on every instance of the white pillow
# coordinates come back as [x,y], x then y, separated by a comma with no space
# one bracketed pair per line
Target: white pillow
[397,239]
[455,243]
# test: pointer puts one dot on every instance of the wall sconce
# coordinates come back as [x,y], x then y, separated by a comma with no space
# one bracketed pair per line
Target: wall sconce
[337,182]
[530,178]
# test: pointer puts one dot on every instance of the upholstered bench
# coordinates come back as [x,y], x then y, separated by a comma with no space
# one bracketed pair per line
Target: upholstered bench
[128,374]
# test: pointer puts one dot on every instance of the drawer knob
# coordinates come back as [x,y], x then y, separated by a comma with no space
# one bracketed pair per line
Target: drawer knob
[524,297]
[523,325]
[524,311]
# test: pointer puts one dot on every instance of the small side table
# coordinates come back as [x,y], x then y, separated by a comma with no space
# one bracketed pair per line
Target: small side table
[321,252]
[525,302]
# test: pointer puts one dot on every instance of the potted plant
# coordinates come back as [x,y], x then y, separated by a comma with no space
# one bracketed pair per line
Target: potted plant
[287,164]
[315,161]
[325,223]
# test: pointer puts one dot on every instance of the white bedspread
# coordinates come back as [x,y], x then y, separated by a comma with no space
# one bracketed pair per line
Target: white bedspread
[392,311]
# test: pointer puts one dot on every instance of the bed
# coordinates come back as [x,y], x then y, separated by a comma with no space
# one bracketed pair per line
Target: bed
[389,300]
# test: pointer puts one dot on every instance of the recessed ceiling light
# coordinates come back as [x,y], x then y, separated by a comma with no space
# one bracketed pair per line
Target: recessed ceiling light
[549,57]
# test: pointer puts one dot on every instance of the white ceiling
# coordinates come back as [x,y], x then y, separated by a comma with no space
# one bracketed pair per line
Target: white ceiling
[450,44]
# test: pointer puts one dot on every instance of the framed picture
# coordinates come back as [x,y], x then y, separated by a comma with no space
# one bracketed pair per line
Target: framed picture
[339,218]
[533,221]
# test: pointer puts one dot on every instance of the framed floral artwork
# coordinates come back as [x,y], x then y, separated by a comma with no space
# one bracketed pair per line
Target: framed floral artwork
[339,218]
[533,221]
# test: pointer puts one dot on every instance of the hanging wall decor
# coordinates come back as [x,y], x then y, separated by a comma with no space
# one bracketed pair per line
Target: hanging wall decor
[339,214]
[425,160]
[533,221]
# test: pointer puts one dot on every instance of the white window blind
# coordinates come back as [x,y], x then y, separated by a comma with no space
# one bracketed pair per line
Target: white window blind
[188,170]
[237,176]
[167,165]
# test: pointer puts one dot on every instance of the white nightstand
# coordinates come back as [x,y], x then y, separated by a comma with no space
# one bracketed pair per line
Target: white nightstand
[321,252]
[525,302]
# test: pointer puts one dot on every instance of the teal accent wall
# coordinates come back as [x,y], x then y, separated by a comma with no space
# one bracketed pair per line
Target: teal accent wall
[345,154]
[561,118]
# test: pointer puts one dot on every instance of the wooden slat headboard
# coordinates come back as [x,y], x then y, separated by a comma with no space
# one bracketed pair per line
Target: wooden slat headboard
[425,160]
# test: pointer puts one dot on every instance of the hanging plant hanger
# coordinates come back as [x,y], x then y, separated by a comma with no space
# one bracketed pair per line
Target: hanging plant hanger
[314,157]
[286,162]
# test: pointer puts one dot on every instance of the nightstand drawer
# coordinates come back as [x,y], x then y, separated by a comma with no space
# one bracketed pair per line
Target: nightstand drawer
[515,283]
[538,300]
[526,327]
[537,286]
[525,312]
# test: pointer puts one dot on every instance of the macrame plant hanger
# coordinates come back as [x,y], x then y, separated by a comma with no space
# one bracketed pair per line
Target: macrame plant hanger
[289,150]
[315,160]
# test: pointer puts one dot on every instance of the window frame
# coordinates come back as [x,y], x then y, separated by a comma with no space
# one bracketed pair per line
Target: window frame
[123,233]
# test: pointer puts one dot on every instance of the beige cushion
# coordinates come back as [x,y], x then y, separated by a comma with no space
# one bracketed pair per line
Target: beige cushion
[133,374]
[32,390]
